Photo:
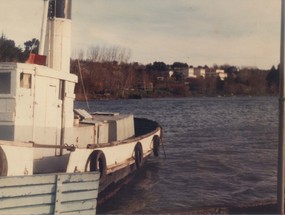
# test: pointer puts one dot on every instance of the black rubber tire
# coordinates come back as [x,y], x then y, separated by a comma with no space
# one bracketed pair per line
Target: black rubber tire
[156,145]
[3,163]
[138,155]
[98,162]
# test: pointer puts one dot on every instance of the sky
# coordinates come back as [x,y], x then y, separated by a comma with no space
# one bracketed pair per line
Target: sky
[196,32]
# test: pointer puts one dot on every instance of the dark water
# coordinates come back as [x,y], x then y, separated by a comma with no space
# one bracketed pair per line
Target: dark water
[220,151]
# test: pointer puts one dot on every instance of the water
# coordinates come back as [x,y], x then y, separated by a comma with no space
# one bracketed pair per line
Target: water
[220,151]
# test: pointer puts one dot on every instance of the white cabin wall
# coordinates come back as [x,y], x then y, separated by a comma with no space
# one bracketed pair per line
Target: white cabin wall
[69,104]
[24,105]
[47,112]
[81,136]
[103,132]
[7,126]
[125,127]
[7,101]
[31,110]
[49,106]
[7,118]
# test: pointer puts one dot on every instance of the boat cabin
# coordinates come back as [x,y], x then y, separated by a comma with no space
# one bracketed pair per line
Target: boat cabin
[37,105]
[38,122]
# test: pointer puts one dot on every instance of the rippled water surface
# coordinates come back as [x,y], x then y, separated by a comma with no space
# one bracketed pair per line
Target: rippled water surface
[219,151]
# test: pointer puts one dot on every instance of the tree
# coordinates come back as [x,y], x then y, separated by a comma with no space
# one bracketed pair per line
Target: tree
[178,76]
[31,46]
[8,51]
[220,84]
[272,80]
[179,65]
[157,66]
[108,54]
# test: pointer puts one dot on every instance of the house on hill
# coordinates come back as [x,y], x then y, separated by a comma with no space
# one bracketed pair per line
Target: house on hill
[199,72]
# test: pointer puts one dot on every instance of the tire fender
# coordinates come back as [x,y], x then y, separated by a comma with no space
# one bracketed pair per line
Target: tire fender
[138,155]
[156,145]
[3,163]
[97,161]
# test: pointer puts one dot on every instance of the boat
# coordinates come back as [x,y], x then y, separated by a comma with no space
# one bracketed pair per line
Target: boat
[42,133]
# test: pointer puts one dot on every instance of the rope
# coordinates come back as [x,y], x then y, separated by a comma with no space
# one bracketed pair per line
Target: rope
[162,144]
[83,86]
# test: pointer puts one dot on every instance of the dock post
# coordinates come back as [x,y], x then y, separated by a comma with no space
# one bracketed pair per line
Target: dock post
[281,152]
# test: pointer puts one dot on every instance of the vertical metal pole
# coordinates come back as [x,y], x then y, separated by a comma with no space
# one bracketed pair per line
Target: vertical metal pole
[44,26]
[280,183]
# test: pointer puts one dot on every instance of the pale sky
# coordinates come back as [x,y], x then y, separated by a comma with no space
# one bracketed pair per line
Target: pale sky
[197,32]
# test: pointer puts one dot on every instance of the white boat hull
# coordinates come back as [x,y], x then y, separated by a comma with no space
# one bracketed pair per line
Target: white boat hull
[121,158]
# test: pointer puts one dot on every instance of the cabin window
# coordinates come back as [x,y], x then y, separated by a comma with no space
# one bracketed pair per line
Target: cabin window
[25,80]
[5,83]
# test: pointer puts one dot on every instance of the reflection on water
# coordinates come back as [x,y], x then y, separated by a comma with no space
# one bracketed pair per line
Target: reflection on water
[220,151]
[129,199]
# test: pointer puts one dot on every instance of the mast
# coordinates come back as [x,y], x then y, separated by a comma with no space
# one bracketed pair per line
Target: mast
[281,147]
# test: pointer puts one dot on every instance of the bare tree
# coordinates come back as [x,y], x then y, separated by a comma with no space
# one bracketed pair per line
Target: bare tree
[78,54]
[108,54]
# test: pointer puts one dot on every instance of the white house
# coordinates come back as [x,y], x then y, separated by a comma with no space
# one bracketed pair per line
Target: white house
[191,73]
[200,72]
[221,73]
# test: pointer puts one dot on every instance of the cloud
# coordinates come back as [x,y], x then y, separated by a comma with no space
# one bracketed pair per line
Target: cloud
[238,31]
[243,32]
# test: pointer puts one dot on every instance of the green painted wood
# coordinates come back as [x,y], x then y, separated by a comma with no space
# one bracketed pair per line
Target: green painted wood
[49,194]
[81,195]
[58,194]
[77,177]
[46,179]
[31,209]
[27,180]
[26,190]
[73,187]
[86,212]
[27,200]
[83,205]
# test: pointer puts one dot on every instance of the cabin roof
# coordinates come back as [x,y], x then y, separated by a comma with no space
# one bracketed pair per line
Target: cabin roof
[38,70]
